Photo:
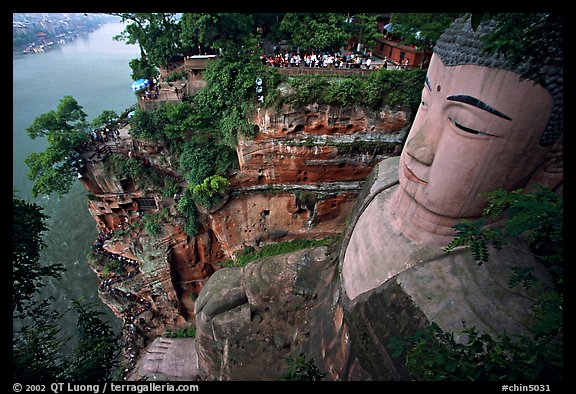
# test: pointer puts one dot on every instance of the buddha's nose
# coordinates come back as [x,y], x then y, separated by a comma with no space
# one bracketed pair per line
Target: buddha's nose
[421,147]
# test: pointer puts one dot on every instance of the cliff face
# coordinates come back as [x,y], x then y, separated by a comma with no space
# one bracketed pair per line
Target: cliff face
[298,179]
[318,143]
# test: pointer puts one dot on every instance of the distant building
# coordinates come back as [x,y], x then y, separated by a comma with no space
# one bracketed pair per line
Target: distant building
[398,53]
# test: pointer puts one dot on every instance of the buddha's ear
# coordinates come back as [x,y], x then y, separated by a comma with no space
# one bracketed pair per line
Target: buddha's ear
[551,173]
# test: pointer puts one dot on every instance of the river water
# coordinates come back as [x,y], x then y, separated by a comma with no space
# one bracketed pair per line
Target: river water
[94,70]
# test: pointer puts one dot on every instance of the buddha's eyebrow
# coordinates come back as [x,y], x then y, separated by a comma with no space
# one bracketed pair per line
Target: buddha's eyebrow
[428,84]
[478,104]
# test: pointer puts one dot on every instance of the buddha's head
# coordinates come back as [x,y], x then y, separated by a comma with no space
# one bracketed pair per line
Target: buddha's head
[479,128]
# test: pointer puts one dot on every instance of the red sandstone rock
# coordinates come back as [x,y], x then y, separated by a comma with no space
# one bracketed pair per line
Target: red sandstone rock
[298,179]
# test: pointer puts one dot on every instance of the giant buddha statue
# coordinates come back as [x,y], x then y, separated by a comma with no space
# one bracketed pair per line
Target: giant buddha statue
[479,128]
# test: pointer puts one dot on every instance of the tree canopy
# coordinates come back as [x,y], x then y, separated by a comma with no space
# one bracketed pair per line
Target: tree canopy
[225,31]
[37,344]
[421,29]
[319,32]
[157,35]
[66,130]
[28,224]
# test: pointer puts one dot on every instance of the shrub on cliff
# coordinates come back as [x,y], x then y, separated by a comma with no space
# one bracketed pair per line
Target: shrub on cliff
[210,191]
[224,106]
[188,210]
[169,123]
[301,370]
[202,159]
[394,87]
[401,88]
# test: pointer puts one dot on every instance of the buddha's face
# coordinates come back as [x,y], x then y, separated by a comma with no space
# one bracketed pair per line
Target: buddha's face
[477,130]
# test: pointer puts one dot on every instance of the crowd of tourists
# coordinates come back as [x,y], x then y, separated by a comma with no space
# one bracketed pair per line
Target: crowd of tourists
[77,163]
[104,134]
[138,304]
[317,60]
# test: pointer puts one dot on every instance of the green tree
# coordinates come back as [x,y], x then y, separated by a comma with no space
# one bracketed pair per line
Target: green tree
[157,35]
[229,32]
[98,348]
[188,210]
[200,160]
[169,123]
[37,346]
[151,224]
[537,216]
[107,118]
[421,29]
[28,225]
[318,32]
[365,27]
[66,130]
[268,25]
[142,69]
[39,349]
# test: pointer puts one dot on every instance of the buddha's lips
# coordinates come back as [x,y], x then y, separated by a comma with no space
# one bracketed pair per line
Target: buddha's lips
[411,176]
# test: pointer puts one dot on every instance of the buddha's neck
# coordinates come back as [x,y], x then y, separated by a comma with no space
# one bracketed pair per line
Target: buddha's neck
[417,223]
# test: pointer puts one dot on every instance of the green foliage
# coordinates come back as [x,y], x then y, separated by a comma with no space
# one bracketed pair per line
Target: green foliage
[171,187]
[37,344]
[307,89]
[301,370]
[209,192]
[66,130]
[345,91]
[176,76]
[435,355]
[381,87]
[203,158]
[227,31]
[394,87]
[157,35]
[107,118]
[187,332]
[188,210]
[151,224]
[168,123]
[318,31]
[476,236]
[98,348]
[124,167]
[248,255]
[537,216]
[224,106]
[536,39]
[365,28]
[28,275]
[421,29]
[36,347]
[141,70]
